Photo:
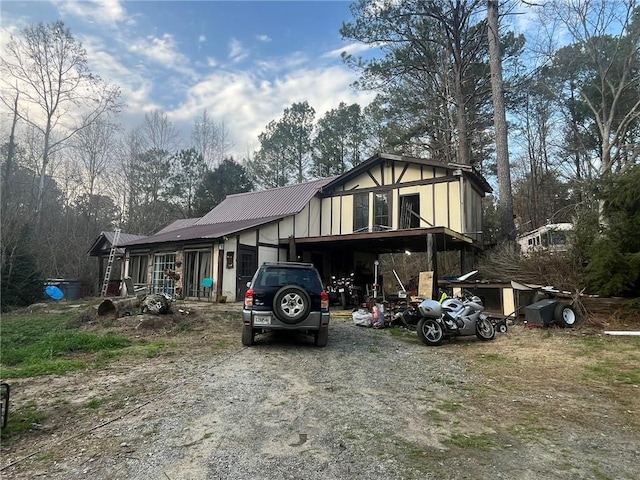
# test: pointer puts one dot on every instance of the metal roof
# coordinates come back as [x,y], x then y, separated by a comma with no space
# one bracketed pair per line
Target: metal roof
[103,243]
[178,224]
[275,202]
[202,232]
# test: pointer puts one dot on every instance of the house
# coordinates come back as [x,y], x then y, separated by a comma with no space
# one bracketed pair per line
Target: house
[389,203]
[101,248]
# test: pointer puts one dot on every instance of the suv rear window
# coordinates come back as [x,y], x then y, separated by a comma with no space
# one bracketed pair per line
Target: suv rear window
[281,276]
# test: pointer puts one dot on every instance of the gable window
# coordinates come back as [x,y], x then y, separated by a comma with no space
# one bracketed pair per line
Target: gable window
[381,211]
[161,282]
[360,212]
[409,211]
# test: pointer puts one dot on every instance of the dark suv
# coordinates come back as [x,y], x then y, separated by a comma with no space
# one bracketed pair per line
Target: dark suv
[286,296]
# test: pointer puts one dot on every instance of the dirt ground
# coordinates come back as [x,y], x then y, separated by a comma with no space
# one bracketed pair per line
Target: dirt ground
[195,404]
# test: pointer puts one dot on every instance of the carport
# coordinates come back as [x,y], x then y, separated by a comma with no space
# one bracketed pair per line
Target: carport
[342,254]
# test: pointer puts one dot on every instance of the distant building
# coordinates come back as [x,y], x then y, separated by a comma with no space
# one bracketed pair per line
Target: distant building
[552,237]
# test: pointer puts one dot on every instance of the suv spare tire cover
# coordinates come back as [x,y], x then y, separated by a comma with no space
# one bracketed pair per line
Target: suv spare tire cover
[291,304]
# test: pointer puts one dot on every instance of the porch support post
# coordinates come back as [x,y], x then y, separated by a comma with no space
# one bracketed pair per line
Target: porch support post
[432,262]
[220,271]
[293,254]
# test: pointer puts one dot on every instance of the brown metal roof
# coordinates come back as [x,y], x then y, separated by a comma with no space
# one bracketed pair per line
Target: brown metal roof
[103,243]
[275,202]
[178,224]
[202,232]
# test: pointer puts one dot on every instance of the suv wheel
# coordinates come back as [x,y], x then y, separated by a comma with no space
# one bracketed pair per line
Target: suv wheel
[248,335]
[291,304]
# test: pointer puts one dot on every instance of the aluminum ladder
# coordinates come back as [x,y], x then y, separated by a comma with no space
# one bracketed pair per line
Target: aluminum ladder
[112,256]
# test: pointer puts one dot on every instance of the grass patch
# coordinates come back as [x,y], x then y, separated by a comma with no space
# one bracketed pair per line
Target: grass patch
[613,370]
[96,403]
[22,420]
[477,442]
[151,349]
[445,381]
[46,345]
[528,428]
[449,406]
[495,358]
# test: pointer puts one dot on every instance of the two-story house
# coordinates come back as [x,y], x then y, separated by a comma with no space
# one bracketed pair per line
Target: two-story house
[389,203]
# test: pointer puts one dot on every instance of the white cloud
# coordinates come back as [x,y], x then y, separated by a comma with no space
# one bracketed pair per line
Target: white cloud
[263,38]
[351,49]
[163,51]
[248,101]
[237,52]
[212,62]
[106,12]
[202,39]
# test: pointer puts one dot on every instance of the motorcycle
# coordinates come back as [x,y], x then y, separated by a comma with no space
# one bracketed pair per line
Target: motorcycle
[453,317]
[344,292]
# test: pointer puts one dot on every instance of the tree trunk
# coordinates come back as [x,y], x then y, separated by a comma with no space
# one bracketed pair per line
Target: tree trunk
[500,124]
[6,187]
[110,306]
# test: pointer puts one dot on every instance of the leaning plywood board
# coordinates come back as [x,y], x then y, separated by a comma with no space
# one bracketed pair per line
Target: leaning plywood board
[425,285]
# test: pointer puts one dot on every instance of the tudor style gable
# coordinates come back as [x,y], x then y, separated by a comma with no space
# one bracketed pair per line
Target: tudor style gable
[393,192]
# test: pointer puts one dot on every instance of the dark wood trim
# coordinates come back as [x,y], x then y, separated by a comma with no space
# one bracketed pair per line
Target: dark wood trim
[386,188]
[404,170]
[373,178]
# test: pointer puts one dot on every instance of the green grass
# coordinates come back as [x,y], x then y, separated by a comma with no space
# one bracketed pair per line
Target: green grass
[478,442]
[449,406]
[530,427]
[22,419]
[46,345]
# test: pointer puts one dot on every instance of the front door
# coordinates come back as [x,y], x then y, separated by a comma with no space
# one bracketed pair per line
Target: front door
[247,266]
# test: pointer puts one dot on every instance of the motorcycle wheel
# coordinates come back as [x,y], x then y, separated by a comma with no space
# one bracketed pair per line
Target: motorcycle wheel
[430,332]
[485,330]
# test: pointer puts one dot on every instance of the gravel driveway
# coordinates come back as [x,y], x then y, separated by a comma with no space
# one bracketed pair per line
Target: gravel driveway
[283,409]
[371,405]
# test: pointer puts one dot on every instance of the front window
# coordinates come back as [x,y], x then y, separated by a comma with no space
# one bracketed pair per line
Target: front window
[138,269]
[360,212]
[381,212]
[163,263]
[197,267]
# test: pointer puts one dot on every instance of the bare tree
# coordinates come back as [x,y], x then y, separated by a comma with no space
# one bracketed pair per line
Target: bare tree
[211,140]
[95,147]
[8,167]
[59,96]
[603,67]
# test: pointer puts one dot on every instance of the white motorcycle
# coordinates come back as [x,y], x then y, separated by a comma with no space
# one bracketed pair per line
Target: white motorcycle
[453,317]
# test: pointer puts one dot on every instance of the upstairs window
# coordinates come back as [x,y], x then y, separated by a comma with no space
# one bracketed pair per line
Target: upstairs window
[381,219]
[361,212]
[409,211]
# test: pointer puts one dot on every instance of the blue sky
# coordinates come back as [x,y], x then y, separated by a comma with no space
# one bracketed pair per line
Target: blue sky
[244,61]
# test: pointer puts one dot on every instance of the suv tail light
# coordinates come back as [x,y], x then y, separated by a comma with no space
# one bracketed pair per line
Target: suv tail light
[248,298]
[324,300]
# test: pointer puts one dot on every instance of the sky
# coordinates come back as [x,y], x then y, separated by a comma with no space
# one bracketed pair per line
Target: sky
[242,61]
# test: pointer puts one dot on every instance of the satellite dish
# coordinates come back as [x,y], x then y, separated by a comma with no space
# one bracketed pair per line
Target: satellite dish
[54,292]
